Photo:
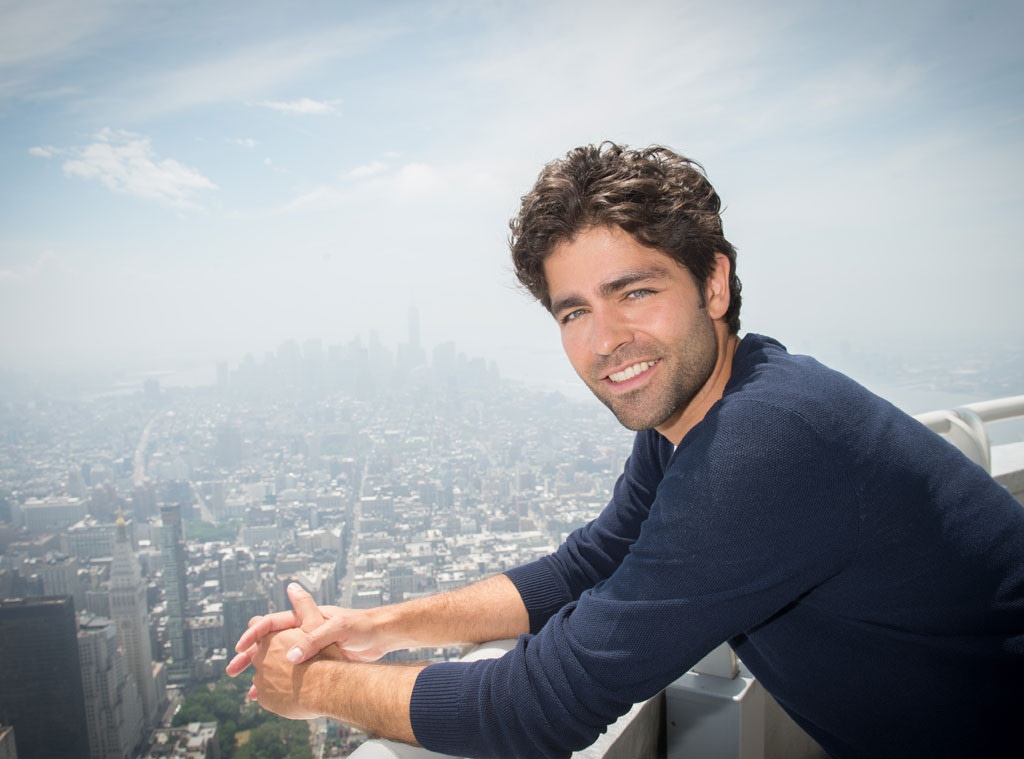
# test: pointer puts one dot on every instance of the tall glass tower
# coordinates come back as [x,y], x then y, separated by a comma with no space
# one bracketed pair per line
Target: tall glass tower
[172,547]
[41,693]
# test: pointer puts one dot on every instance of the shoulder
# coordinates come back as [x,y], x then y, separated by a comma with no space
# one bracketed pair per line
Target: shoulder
[763,370]
[783,420]
[772,390]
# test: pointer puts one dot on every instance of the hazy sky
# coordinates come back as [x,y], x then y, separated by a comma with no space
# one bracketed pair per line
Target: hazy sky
[206,179]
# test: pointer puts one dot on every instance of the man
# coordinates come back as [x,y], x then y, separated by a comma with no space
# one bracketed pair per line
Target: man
[866,572]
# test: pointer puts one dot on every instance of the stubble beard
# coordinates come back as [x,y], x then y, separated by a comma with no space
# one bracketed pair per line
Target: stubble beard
[686,368]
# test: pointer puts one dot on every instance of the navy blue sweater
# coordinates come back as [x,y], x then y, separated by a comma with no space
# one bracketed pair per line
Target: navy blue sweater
[867,573]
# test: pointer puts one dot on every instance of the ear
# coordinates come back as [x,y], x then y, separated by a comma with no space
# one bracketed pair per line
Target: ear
[716,289]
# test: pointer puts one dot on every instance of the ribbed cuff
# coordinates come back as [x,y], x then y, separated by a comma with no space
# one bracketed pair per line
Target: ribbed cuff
[542,592]
[435,710]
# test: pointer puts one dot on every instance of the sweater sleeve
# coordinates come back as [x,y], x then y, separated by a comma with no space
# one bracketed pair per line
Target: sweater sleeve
[741,525]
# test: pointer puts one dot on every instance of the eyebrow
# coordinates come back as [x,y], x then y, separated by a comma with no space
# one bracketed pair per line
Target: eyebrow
[612,286]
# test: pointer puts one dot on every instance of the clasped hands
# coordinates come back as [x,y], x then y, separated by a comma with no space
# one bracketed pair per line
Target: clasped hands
[281,646]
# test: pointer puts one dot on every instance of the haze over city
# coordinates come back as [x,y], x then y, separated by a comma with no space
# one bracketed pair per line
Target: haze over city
[187,181]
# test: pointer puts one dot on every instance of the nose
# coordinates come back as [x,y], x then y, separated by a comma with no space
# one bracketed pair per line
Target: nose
[608,332]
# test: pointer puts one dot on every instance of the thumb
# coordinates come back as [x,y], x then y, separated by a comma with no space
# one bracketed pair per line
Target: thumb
[313,642]
[306,610]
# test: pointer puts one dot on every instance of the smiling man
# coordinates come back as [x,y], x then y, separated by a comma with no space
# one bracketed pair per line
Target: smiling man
[863,569]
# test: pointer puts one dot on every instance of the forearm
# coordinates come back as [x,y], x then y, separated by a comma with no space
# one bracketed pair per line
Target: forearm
[372,697]
[490,609]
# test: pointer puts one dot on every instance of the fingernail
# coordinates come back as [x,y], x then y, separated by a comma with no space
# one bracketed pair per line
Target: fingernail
[294,586]
[295,655]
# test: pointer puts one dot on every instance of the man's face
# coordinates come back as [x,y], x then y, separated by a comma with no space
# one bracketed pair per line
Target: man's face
[633,325]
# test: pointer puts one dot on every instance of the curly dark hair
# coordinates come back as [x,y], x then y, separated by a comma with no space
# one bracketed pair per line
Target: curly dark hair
[662,199]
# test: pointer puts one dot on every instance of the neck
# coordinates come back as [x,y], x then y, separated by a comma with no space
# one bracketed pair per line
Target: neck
[710,393]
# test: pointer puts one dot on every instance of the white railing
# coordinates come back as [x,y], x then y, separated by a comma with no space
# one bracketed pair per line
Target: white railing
[965,426]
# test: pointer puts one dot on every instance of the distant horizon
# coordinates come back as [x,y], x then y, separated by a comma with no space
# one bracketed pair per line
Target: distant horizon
[853,359]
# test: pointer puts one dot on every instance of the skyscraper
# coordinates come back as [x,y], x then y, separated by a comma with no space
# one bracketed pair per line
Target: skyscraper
[41,693]
[113,710]
[172,548]
[411,354]
[129,611]
[414,328]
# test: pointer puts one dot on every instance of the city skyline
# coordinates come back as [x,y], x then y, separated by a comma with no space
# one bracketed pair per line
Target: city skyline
[920,378]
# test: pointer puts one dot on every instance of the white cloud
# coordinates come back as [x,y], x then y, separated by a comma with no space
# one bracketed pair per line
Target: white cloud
[43,151]
[126,163]
[245,142]
[302,106]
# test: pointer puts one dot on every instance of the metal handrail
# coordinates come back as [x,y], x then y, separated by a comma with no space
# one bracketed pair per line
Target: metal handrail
[964,426]
[988,411]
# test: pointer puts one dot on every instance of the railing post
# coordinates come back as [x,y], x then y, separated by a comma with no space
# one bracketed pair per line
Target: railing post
[961,428]
[979,433]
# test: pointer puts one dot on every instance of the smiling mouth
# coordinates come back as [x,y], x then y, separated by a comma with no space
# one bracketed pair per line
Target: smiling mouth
[631,371]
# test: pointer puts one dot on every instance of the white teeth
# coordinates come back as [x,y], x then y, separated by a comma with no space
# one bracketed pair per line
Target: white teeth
[631,371]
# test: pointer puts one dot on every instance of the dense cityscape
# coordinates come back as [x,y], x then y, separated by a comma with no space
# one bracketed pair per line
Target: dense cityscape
[142,525]
[141,529]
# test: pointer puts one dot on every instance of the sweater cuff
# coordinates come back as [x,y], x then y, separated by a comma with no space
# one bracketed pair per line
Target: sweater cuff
[542,593]
[435,709]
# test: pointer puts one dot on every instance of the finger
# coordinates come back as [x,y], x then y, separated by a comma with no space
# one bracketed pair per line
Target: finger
[305,607]
[261,626]
[251,636]
[242,660]
[252,693]
[239,664]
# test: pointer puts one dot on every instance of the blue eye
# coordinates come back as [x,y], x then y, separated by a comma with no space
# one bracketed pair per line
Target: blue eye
[572,316]
[641,293]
